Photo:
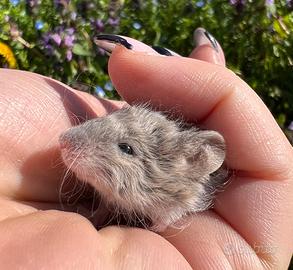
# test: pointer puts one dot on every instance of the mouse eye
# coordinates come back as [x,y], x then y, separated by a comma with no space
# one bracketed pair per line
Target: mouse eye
[125,148]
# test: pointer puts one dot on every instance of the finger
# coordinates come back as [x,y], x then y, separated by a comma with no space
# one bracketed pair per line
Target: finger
[108,42]
[209,243]
[34,111]
[207,48]
[145,248]
[58,240]
[212,95]
[251,227]
[256,147]
[262,214]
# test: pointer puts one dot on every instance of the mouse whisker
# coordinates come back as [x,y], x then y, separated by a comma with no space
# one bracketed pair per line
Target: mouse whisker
[57,163]
[139,219]
[68,173]
[77,119]
[77,193]
[61,193]
[73,192]
[94,199]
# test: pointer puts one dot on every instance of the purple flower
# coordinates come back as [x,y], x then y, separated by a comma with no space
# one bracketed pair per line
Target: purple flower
[68,41]
[237,2]
[59,36]
[99,25]
[68,55]
[70,31]
[46,42]
[56,38]
[46,38]
[49,49]
[270,3]
[290,127]
[113,22]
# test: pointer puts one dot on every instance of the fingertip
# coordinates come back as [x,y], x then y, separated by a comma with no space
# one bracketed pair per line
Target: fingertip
[143,246]
[207,54]
[108,43]
[139,77]
[119,62]
[207,48]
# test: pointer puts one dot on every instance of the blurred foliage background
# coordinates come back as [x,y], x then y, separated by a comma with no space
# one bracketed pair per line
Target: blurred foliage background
[55,38]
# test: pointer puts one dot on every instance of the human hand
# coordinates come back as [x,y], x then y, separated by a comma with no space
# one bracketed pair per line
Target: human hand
[58,240]
[35,233]
[250,226]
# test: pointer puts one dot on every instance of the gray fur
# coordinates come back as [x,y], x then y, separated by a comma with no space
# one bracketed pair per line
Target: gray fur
[169,174]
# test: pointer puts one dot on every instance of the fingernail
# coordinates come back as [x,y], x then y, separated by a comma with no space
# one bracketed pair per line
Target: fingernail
[108,42]
[203,37]
[163,51]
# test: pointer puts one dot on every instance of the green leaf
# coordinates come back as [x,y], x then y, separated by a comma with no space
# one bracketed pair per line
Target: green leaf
[78,49]
[281,119]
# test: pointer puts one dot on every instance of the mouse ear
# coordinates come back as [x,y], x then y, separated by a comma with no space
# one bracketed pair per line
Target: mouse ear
[204,150]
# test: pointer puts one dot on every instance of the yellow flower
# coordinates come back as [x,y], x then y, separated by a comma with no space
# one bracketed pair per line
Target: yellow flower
[7,54]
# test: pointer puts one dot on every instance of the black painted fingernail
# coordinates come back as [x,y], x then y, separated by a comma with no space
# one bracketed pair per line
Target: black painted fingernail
[212,40]
[203,37]
[108,42]
[162,50]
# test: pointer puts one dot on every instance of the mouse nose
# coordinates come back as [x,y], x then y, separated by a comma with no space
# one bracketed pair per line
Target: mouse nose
[71,139]
[65,141]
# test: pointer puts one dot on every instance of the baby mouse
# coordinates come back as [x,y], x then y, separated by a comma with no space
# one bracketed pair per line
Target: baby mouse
[145,165]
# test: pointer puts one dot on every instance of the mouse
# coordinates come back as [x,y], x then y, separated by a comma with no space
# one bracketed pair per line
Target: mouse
[145,164]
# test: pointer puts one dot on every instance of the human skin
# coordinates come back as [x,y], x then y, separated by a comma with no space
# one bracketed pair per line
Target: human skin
[251,224]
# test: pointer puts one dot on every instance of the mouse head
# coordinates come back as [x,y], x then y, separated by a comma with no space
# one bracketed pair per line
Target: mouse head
[141,161]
